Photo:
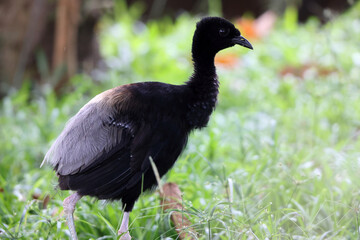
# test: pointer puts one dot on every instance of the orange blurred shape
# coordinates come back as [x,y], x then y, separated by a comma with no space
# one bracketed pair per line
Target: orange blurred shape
[247,28]
[226,60]
[258,28]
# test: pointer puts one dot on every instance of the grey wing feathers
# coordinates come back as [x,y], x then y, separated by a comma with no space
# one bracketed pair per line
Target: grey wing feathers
[85,137]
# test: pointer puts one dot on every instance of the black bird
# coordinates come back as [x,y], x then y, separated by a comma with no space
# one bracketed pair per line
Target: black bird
[104,150]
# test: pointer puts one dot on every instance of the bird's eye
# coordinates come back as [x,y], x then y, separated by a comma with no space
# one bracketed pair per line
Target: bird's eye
[223,32]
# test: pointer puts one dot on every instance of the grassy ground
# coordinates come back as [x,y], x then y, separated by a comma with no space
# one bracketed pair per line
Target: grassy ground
[280,158]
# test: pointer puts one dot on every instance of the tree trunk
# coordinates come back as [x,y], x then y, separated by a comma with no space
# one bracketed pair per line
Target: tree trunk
[52,27]
[65,46]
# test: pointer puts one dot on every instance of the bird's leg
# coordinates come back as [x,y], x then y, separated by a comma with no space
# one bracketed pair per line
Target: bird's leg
[69,208]
[124,228]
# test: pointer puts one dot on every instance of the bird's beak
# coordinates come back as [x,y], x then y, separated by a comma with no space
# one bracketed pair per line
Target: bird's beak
[242,41]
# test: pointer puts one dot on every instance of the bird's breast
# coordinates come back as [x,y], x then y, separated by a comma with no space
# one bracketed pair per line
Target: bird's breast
[199,112]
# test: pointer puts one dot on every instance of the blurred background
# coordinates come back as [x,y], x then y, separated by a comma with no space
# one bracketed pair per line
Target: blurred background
[48,42]
[279,159]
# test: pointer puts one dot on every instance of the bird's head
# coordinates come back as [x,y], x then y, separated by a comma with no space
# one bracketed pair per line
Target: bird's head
[213,34]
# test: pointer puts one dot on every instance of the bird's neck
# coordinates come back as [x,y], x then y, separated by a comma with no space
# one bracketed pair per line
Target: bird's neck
[203,85]
[203,81]
[204,78]
[203,61]
[204,67]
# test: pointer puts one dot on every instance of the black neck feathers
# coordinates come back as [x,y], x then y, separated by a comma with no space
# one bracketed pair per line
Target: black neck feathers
[204,86]
[203,55]
[202,101]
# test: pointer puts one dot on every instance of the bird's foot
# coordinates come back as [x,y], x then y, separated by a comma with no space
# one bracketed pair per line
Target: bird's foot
[69,207]
[125,235]
[124,228]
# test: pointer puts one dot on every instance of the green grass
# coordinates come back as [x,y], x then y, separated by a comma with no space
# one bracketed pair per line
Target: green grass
[280,158]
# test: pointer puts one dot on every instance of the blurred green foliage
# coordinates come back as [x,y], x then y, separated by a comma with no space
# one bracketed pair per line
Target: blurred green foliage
[283,144]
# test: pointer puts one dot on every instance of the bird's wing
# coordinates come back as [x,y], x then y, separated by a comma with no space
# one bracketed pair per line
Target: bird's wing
[91,133]
[162,141]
